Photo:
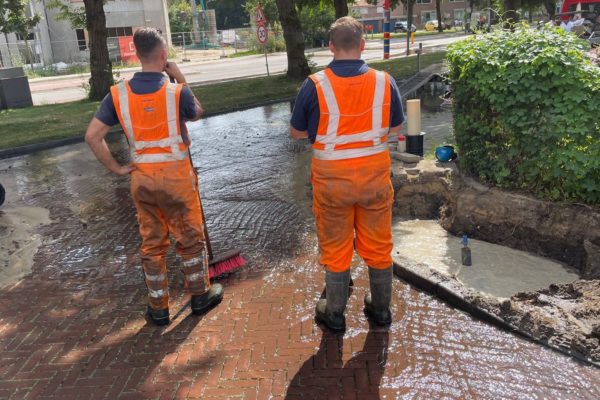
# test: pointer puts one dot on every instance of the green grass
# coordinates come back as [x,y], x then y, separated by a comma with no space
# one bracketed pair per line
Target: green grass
[244,53]
[19,127]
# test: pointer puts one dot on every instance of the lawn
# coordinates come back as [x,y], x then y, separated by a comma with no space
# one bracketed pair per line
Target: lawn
[19,127]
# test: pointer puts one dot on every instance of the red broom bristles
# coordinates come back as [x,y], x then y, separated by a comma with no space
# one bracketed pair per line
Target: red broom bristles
[225,266]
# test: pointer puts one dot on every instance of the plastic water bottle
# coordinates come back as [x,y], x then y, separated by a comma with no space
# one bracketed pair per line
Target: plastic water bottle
[401,144]
[466,252]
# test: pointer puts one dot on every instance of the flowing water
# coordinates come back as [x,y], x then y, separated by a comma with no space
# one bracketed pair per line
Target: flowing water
[254,182]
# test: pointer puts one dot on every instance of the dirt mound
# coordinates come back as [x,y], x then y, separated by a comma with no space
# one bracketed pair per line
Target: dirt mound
[565,316]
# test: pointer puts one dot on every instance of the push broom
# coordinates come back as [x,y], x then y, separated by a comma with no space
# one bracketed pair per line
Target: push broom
[227,261]
[218,264]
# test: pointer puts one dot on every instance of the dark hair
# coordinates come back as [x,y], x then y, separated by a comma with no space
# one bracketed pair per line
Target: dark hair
[346,33]
[146,41]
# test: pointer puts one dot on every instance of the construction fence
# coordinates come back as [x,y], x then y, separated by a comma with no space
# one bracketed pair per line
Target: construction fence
[49,58]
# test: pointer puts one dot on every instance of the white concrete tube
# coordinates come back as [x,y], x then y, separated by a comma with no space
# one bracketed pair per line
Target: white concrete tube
[413,109]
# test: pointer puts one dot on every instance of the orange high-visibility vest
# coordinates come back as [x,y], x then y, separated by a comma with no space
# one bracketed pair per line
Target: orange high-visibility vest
[151,123]
[354,114]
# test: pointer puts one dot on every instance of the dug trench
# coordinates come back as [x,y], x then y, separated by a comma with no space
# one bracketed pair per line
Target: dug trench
[564,316]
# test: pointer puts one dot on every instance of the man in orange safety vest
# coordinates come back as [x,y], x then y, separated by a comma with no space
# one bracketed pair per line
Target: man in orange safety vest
[164,185]
[347,111]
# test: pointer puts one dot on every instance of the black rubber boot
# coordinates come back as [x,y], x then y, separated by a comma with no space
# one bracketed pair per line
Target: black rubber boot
[377,303]
[158,317]
[330,311]
[204,302]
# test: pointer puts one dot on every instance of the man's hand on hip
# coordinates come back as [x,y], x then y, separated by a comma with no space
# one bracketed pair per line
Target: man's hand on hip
[125,170]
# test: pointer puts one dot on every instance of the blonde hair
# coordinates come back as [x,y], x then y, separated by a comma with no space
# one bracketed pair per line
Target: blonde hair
[346,34]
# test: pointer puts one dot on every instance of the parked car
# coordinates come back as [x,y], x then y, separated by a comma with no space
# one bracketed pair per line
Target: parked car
[402,26]
[432,25]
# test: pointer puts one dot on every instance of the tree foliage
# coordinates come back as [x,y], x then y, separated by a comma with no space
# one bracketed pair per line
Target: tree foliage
[75,15]
[229,13]
[180,16]
[526,112]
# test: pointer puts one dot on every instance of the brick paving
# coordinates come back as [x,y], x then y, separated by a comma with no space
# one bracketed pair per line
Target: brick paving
[75,329]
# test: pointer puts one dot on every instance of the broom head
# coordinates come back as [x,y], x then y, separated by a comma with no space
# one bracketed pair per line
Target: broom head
[225,262]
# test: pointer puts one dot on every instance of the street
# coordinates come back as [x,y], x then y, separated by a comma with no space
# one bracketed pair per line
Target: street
[62,89]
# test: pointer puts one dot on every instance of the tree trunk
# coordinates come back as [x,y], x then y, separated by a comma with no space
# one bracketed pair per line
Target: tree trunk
[100,66]
[341,8]
[511,16]
[438,11]
[550,6]
[294,40]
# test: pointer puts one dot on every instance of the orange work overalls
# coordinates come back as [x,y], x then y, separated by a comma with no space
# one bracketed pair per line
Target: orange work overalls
[352,189]
[164,188]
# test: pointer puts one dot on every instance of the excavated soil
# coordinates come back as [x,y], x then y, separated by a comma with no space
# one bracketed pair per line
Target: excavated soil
[565,316]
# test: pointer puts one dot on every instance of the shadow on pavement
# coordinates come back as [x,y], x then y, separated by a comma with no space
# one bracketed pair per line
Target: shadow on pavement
[324,375]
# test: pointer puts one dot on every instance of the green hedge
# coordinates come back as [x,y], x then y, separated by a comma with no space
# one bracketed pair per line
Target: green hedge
[527,112]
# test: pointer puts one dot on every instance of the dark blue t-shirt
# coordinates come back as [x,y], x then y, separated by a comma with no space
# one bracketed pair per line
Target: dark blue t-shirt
[305,116]
[145,83]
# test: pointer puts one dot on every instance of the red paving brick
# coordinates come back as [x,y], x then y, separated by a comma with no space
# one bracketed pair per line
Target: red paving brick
[75,327]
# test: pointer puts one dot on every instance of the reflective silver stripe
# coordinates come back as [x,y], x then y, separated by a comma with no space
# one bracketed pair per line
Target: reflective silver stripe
[159,143]
[125,115]
[378,104]
[193,261]
[156,294]
[193,277]
[374,134]
[172,114]
[349,153]
[333,111]
[160,157]
[155,278]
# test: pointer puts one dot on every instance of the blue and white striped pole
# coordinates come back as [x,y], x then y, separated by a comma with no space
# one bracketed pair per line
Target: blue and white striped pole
[386,29]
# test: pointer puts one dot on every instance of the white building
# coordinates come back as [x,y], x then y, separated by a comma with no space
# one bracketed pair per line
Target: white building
[55,41]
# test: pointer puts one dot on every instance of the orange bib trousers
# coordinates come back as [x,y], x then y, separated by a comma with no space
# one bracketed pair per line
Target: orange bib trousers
[167,202]
[352,204]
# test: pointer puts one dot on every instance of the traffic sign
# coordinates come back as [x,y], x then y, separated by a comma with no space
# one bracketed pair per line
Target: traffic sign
[262,34]
[260,16]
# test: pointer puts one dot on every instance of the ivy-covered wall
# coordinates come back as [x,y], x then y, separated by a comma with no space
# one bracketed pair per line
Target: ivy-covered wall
[527,112]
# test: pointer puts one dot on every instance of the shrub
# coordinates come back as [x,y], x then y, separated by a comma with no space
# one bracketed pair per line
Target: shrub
[527,112]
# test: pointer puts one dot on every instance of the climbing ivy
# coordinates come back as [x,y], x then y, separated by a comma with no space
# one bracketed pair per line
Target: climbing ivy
[527,112]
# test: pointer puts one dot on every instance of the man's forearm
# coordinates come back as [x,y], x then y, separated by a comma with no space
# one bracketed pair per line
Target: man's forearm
[103,154]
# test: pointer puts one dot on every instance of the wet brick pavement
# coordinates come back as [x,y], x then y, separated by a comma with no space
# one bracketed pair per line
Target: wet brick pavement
[74,328]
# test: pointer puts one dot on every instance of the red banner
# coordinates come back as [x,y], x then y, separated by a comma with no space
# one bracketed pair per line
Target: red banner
[127,49]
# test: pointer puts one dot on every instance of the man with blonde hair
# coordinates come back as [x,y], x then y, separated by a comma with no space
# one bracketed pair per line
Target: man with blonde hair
[347,111]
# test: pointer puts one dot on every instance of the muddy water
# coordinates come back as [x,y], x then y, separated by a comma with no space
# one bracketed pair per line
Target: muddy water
[496,270]
[255,187]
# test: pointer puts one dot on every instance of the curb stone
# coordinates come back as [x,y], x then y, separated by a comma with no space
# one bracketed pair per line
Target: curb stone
[34,148]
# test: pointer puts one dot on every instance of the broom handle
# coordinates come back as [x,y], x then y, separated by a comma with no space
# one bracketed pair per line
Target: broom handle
[206,238]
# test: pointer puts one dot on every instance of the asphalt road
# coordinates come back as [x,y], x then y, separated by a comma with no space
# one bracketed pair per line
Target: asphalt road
[70,88]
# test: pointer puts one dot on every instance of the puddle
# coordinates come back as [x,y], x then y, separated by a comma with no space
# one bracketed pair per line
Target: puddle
[497,270]
[19,240]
